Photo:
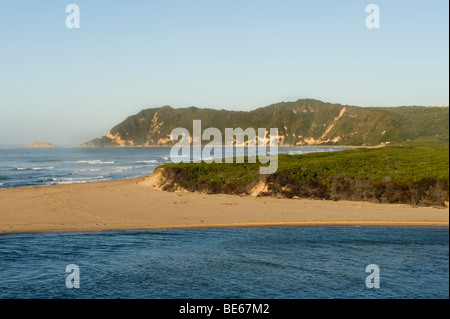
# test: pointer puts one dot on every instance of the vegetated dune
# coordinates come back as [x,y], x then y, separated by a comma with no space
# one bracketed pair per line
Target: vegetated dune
[426,192]
[414,174]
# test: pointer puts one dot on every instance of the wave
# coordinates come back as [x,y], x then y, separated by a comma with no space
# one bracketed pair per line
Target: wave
[316,150]
[32,168]
[70,180]
[147,162]
[94,162]
[296,152]
[1,184]
[47,179]
[123,169]
[79,178]
[86,170]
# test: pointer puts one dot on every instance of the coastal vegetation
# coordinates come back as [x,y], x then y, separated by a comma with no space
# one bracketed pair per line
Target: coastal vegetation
[414,172]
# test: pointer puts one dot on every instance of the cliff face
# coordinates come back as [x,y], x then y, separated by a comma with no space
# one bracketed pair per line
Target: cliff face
[40,144]
[303,122]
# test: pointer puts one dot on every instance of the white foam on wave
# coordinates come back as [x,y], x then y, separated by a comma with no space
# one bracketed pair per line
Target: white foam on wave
[87,170]
[178,156]
[147,162]
[74,180]
[86,180]
[296,152]
[33,168]
[315,150]
[95,162]
[80,178]
[122,169]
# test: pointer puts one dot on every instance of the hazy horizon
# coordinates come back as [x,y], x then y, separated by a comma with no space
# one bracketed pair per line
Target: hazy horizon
[68,86]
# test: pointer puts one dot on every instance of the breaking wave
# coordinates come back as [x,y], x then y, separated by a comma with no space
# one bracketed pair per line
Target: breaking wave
[33,168]
[95,162]
[147,162]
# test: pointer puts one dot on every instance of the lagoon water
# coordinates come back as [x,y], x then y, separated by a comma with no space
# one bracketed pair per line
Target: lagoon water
[271,262]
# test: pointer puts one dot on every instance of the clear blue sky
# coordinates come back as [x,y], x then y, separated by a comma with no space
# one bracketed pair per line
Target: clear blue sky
[67,86]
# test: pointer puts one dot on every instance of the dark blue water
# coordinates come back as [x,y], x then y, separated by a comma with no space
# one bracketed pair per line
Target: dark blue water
[277,262]
[31,167]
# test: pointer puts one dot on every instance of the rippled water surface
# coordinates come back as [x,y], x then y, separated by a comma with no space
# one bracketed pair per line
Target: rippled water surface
[274,262]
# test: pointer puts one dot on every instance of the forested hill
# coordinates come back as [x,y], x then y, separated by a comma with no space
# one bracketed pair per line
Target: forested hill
[303,122]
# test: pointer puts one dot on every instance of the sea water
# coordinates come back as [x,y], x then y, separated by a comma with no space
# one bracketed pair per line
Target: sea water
[21,167]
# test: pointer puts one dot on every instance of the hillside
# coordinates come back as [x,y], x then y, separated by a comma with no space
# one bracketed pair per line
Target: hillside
[303,122]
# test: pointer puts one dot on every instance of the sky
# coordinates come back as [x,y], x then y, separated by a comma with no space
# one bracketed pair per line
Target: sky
[67,86]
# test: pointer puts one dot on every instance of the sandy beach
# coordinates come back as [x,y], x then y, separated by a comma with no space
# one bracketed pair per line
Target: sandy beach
[133,204]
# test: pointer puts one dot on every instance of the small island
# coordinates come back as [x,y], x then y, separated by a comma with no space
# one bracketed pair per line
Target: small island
[40,144]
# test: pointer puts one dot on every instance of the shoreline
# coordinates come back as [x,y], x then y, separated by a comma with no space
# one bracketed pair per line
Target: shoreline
[441,225]
[131,204]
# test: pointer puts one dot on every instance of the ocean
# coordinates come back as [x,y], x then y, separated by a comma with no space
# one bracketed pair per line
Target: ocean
[238,263]
[20,167]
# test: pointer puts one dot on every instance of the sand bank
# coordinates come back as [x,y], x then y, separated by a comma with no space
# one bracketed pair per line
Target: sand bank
[132,204]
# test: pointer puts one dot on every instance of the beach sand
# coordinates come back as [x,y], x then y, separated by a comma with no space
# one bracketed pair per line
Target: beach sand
[133,204]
